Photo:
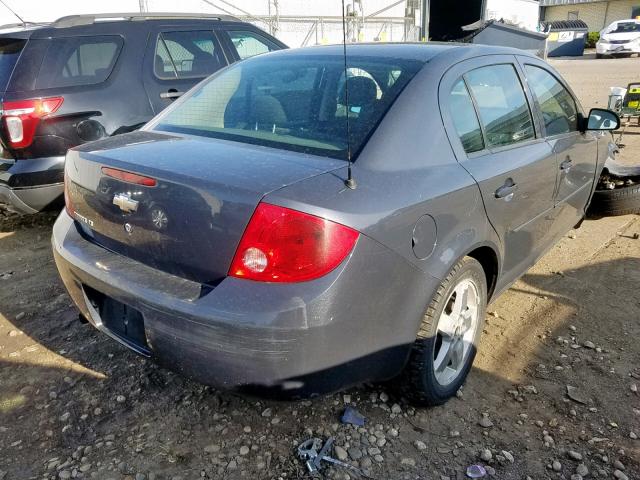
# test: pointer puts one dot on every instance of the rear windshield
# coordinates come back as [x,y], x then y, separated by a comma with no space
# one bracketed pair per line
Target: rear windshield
[73,61]
[10,49]
[293,103]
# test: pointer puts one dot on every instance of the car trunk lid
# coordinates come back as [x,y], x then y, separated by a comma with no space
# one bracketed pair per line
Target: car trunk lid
[190,221]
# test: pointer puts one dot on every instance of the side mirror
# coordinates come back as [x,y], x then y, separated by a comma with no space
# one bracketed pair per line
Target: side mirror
[601,119]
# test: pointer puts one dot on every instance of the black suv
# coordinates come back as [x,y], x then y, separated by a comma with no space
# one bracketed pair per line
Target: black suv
[85,77]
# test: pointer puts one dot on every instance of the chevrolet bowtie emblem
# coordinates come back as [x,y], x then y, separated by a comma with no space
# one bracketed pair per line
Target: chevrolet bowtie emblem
[124,201]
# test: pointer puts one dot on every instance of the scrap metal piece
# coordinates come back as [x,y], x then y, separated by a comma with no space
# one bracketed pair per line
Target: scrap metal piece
[313,453]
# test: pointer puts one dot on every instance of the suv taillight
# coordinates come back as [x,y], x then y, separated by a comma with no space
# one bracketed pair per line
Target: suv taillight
[21,118]
[284,245]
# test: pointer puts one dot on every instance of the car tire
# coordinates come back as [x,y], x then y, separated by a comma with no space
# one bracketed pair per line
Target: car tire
[619,201]
[428,378]
[599,55]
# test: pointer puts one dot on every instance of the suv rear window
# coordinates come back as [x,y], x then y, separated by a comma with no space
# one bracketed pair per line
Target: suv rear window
[74,61]
[295,103]
[10,49]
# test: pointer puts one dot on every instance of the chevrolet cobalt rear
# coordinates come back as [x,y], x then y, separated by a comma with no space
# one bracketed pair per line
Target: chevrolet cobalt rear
[295,225]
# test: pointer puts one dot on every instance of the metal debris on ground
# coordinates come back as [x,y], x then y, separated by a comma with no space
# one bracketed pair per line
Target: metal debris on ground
[476,471]
[353,417]
[313,453]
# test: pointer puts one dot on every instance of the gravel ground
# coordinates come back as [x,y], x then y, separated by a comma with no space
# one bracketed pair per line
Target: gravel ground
[553,393]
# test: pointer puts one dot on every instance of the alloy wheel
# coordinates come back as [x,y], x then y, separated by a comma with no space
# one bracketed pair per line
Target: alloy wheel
[456,331]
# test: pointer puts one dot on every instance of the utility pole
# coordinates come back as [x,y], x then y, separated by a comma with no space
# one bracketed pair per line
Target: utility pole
[144,8]
[424,19]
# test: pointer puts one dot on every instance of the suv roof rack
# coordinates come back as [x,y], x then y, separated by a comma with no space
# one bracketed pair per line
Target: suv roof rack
[88,19]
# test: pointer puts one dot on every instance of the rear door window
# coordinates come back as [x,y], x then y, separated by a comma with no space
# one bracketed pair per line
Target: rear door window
[188,54]
[556,104]
[249,44]
[10,49]
[74,61]
[464,118]
[502,105]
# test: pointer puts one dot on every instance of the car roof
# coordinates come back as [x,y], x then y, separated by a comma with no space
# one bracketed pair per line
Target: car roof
[77,22]
[421,51]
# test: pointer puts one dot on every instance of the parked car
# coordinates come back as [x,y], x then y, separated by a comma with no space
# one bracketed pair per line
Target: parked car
[619,38]
[228,240]
[86,77]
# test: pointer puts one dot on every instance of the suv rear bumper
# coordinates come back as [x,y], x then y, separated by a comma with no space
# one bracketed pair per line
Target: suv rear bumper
[30,185]
[31,199]
[291,339]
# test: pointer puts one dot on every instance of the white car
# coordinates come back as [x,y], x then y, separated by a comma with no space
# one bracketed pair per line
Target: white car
[619,38]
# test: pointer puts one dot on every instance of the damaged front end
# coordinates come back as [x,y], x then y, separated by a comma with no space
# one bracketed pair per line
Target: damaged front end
[616,175]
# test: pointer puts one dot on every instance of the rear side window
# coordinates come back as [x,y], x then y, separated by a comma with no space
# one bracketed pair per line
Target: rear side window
[558,107]
[74,61]
[464,118]
[249,44]
[10,49]
[187,54]
[502,105]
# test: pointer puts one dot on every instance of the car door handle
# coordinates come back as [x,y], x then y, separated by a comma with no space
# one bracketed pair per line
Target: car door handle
[507,190]
[566,165]
[171,94]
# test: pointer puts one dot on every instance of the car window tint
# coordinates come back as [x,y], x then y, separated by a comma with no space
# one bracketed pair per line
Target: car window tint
[296,104]
[249,44]
[554,101]
[186,55]
[464,118]
[75,61]
[502,105]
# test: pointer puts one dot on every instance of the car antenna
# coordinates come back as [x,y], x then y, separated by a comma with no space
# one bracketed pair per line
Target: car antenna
[24,24]
[350,181]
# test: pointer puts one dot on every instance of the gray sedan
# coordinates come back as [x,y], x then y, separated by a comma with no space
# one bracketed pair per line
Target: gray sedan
[294,225]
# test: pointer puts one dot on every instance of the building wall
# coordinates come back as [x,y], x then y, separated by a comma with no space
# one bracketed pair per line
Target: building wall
[596,15]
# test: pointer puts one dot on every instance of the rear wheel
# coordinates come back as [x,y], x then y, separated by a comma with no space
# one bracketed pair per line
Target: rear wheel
[447,341]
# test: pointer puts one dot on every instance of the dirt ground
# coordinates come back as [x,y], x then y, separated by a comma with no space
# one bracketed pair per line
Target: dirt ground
[75,404]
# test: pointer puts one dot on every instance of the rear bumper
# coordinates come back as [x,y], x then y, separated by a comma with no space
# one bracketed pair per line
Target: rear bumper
[31,199]
[29,186]
[353,325]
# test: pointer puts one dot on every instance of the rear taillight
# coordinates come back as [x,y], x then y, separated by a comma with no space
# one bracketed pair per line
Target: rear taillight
[21,118]
[284,245]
